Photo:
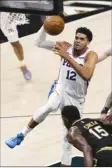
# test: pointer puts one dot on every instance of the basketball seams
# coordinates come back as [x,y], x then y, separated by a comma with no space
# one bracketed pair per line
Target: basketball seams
[54,26]
[47,23]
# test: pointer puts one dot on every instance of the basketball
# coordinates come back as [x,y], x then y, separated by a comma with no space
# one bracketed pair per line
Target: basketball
[54,25]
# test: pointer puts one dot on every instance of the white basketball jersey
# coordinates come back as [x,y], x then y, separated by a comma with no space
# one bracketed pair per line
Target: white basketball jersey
[71,82]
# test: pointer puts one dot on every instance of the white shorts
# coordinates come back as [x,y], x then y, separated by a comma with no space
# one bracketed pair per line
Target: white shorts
[9,30]
[59,98]
[11,34]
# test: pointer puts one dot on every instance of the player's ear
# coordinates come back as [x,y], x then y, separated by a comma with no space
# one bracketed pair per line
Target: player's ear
[88,42]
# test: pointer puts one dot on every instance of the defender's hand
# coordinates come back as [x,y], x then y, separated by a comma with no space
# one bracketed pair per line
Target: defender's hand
[103,116]
[109,118]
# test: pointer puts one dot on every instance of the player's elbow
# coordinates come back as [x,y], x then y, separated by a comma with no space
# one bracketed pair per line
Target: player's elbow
[86,78]
[87,74]
[37,43]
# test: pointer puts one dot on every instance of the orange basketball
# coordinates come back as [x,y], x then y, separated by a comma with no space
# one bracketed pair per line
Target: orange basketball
[54,25]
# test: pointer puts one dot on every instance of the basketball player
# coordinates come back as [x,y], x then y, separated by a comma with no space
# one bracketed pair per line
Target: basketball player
[108,104]
[9,22]
[76,69]
[91,136]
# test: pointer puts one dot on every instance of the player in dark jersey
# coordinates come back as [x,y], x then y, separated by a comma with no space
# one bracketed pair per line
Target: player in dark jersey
[91,136]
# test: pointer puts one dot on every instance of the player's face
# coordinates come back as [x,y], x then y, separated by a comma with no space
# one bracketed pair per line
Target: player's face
[81,41]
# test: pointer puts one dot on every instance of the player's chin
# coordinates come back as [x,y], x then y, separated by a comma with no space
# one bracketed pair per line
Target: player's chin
[78,48]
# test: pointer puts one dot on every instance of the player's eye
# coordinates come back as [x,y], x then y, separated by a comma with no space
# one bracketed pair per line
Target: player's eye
[82,39]
[76,38]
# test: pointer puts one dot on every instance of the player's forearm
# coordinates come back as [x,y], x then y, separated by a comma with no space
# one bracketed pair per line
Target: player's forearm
[42,42]
[102,57]
[108,104]
[88,159]
[87,152]
[105,54]
[85,73]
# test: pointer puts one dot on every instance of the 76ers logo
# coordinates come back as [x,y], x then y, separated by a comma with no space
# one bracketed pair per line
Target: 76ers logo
[10,30]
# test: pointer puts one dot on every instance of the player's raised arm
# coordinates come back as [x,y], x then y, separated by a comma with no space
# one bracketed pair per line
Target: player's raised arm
[41,40]
[77,140]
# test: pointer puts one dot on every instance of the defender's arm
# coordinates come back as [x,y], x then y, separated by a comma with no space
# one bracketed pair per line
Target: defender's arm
[77,140]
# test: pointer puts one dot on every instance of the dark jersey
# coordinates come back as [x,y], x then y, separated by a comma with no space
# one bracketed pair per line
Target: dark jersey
[96,134]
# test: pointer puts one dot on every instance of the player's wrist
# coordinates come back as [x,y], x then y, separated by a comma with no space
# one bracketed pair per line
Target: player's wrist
[105,110]
[68,58]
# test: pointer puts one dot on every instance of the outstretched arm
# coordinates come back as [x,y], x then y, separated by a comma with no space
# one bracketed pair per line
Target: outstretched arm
[77,140]
[41,40]
[105,54]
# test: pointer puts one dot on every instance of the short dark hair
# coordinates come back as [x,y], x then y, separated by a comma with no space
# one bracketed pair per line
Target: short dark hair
[71,113]
[85,31]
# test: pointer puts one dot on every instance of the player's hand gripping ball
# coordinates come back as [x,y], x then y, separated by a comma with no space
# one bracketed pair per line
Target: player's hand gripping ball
[54,25]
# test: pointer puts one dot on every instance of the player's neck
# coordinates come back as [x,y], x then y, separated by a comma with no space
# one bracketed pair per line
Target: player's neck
[77,53]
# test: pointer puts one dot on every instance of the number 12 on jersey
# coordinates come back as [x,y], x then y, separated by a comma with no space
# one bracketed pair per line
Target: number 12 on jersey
[71,75]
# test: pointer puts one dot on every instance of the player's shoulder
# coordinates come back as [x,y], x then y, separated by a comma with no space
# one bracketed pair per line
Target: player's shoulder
[91,52]
[84,121]
[92,55]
